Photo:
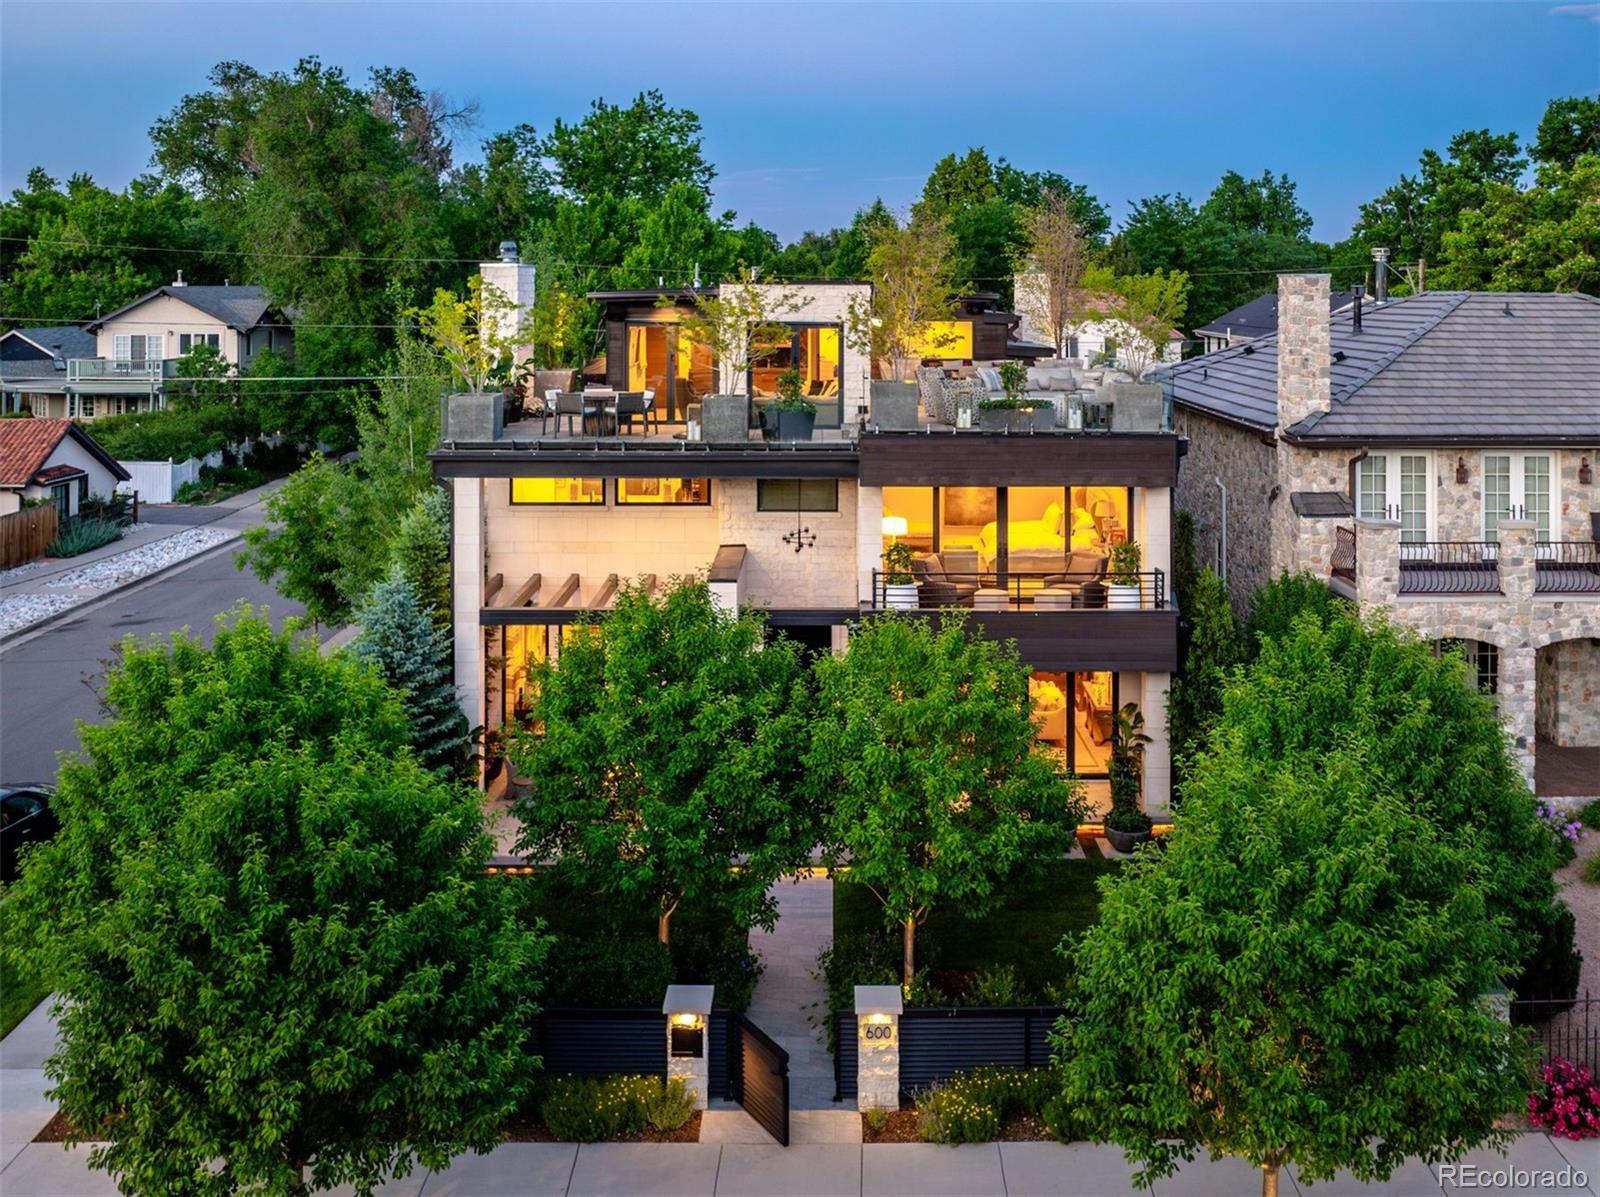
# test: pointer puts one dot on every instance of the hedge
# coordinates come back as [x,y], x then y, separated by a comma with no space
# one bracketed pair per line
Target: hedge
[171,434]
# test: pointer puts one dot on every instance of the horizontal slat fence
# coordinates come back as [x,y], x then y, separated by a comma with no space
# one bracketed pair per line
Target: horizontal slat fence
[26,534]
[583,1041]
[936,1043]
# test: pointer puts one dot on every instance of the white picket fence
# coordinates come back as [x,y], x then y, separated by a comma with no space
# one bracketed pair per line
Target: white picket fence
[159,481]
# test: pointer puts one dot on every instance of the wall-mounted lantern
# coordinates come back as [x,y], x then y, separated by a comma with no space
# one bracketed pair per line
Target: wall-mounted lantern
[1461,470]
[1585,472]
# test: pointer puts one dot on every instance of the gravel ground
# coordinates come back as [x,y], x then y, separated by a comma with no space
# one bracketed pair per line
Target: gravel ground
[127,567]
[20,610]
[1584,901]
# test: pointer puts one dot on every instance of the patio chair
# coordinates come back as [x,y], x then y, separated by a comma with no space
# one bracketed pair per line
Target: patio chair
[569,406]
[629,405]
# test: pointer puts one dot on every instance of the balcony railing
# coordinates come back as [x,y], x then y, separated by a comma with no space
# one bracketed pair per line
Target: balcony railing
[1567,567]
[100,369]
[1449,567]
[1342,564]
[1039,591]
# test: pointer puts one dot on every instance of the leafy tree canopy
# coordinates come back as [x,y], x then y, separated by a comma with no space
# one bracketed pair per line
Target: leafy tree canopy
[638,151]
[924,765]
[664,746]
[279,963]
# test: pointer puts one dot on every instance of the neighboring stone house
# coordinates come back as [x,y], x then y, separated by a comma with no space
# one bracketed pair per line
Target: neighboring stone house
[1258,318]
[1433,457]
[44,460]
[126,361]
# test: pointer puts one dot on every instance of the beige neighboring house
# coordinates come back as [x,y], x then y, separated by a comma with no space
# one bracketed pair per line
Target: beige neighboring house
[1432,457]
[53,460]
[1088,338]
[126,361]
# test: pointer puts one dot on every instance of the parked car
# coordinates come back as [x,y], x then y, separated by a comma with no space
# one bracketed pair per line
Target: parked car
[25,818]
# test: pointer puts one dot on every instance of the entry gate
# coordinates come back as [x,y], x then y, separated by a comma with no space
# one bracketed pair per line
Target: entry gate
[758,1076]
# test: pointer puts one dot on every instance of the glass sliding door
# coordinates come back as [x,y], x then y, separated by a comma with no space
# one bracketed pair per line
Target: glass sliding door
[816,351]
[1518,486]
[1073,712]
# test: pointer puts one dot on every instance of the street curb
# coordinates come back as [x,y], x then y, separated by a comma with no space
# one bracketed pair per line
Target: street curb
[23,634]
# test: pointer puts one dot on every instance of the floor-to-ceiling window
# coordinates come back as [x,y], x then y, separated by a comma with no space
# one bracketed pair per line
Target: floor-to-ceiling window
[816,352]
[1074,712]
[676,369]
[1517,486]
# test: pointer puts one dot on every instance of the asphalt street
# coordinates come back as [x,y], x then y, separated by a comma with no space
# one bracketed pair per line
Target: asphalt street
[48,682]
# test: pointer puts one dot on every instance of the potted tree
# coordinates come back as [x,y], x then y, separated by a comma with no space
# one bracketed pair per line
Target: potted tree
[477,338]
[741,321]
[1122,576]
[899,590]
[793,416]
[1126,824]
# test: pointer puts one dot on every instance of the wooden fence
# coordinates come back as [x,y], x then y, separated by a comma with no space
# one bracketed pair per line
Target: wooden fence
[26,534]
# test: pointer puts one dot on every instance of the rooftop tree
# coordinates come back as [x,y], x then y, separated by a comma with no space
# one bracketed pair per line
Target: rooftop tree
[911,268]
[1056,254]
[663,749]
[1143,310]
[1298,978]
[924,762]
[743,319]
[278,963]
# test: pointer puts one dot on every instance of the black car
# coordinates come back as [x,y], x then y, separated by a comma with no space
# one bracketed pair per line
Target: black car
[25,818]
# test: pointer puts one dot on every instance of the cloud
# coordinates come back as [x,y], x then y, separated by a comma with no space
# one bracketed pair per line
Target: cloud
[1584,12]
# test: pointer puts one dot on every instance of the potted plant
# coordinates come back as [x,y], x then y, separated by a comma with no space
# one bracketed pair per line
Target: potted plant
[1122,576]
[1013,378]
[1126,824]
[793,417]
[736,325]
[1004,415]
[899,590]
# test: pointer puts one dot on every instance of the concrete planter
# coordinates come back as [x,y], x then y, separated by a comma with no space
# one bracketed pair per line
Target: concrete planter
[1044,416]
[724,419]
[1002,419]
[900,596]
[1126,841]
[1122,598]
[791,425]
[894,406]
[474,416]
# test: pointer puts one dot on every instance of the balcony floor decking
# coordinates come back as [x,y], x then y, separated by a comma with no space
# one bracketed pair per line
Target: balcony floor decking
[1566,772]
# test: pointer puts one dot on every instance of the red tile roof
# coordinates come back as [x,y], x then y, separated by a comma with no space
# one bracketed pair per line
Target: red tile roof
[25,445]
[56,474]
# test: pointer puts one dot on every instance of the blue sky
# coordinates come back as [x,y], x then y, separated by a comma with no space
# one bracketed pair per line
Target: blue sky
[812,110]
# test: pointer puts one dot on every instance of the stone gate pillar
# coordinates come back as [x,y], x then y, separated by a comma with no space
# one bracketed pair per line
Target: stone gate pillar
[878,1010]
[688,1011]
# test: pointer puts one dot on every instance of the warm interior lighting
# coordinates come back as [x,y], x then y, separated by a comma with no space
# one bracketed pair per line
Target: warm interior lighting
[895,525]
[878,1019]
[686,1020]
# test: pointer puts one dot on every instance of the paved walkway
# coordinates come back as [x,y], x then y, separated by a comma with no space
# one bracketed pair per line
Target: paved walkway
[756,1169]
[788,997]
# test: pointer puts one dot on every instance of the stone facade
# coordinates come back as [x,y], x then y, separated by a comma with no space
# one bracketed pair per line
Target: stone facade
[1304,378]
[1536,634]
[1244,460]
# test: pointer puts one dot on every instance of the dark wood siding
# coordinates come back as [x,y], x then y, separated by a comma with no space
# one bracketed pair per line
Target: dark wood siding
[617,354]
[988,339]
[978,459]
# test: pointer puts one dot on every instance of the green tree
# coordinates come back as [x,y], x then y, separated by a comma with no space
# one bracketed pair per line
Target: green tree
[1299,977]
[1545,237]
[1275,607]
[422,551]
[1569,130]
[400,637]
[667,752]
[736,324]
[1216,645]
[1143,309]
[315,544]
[278,963]
[911,270]
[923,762]
[635,152]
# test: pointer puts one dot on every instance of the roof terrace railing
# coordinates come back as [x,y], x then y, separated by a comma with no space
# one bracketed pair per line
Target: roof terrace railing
[1449,567]
[1567,567]
[94,369]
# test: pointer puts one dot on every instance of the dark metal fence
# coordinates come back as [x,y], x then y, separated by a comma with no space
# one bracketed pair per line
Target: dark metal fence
[936,1043]
[1030,590]
[1342,564]
[600,1041]
[1564,1027]
[759,1076]
[1567,567]
[1449,567]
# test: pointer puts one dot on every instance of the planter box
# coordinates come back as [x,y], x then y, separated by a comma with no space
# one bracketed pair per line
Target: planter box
[724,419]
[792,425]
[1044,416]
[474,416]
[900,596]
[894,406]
[1122,598]
[1002,419]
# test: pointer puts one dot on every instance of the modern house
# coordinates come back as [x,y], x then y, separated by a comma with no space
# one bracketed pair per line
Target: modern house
[44,460]
[1258,318]
[126,361]
[1433,457]
[1014,528]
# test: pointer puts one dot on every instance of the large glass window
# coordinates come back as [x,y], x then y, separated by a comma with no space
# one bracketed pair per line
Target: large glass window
[558,491]
[1037,529]
[526,646]
[908,516]
[946,340]
[1074,712]
[1395,486]
[1517,486]
[676,369]
[816,351]
[969,528]
[797,494]
[663,492]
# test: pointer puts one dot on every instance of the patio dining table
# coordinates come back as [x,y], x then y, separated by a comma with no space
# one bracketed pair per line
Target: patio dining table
[600,411]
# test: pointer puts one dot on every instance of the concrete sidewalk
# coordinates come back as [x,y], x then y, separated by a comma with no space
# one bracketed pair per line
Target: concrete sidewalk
[733,1169]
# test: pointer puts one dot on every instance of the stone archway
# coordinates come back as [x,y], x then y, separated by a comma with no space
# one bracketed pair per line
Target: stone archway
[1567,717]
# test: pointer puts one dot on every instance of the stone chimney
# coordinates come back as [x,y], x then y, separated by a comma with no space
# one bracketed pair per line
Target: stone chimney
[1303,349]
[514,279]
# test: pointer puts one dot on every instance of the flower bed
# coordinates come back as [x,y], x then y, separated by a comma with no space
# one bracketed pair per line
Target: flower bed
[1569,1103]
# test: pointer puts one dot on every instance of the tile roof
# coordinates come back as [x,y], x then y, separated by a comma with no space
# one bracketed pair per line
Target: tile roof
[1260,316]
[242,308]
[1445,365]
[25,445]
[55,474]
[42,350]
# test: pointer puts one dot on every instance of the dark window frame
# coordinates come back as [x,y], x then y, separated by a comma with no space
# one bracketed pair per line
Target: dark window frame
[796,327]
[618,501]
[800,484]
[511,494]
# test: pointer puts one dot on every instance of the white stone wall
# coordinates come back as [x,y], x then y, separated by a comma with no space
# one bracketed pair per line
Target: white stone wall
[774,574]
[515,281]
[1152,525]
[1158,753]
[466,599]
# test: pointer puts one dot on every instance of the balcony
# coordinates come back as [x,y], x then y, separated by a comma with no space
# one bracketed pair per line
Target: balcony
[1038,592]
[1567,567]
[1432,568]
[111,369]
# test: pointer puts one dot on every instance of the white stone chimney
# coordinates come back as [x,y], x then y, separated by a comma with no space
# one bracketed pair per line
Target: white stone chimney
[1304,361]
[514,279]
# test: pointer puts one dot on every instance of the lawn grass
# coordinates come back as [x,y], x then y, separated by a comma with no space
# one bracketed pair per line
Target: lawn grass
[1022,931]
